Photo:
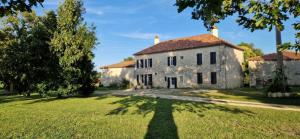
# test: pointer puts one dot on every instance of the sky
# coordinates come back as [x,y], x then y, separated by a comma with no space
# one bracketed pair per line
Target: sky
[125,27]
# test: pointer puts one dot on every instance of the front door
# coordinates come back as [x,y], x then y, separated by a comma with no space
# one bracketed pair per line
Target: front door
[172,82]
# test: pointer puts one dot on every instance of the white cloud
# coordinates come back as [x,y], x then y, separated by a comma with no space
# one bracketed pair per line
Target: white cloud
[142,35]
[94,11]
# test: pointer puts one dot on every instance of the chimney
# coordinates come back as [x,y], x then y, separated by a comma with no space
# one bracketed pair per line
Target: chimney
[215,31]
[156,40]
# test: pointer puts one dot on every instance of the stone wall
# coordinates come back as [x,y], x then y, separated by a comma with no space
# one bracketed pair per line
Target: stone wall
[116,75]
[262,71]
[228,67]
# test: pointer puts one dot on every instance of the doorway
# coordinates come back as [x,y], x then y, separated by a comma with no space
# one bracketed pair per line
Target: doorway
[172,82]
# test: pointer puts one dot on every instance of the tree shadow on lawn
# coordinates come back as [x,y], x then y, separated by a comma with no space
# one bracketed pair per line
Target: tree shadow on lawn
[247,95]
[14,98]
[162,124]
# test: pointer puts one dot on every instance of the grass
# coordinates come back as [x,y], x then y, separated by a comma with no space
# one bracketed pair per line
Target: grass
[243,94]
[137,117]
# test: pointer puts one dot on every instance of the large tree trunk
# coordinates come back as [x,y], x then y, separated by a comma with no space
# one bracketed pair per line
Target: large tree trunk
[280,66]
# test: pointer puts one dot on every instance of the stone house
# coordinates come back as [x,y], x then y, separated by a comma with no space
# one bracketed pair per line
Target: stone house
[262,69]
[202,61]
[115,73]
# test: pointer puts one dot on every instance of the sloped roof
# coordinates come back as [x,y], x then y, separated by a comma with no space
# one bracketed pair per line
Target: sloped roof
[124,64]
[198,41]
[287,55]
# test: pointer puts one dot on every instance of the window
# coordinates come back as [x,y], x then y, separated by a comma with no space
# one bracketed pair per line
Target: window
[150,63]
[213,58]
[199,78]
[181,57]
[142,63]
[146,63]
[181,79]
[142,77]
[172,61]
[150,79]
[199,59]
[145,80]
[165,78]
[138,79]
[137,64]
[213,77]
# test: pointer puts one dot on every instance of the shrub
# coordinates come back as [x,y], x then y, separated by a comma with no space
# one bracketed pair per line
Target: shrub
[276,85]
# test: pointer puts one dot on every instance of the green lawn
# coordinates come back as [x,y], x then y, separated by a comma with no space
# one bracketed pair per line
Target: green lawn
[244,94]
[137,117]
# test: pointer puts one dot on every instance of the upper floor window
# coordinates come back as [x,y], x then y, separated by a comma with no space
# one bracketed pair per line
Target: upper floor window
[137,64]
[199,59]
[150,62]
[213,57]
[142,63]
[172,61]
[146,63]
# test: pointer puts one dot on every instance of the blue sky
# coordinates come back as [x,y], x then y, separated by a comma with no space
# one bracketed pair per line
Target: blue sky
[127,26]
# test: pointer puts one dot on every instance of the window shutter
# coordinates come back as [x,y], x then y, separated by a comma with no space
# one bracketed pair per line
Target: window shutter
[142,63]
[146,63]
[137,64]
[199,59]
[213,58]
[213,78]
[150,63]
[199,78]
[138,79]
[174,61]
[168,61]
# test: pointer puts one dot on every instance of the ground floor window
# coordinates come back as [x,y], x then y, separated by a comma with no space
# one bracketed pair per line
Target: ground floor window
[213,77]
[199,78]
[146,79]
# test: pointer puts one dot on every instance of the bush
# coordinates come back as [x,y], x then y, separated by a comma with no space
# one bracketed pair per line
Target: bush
[276,85]
[1,85]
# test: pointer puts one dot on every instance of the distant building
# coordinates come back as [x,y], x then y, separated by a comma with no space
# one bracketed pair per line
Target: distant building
[262,69]
[115,73]
[192,62]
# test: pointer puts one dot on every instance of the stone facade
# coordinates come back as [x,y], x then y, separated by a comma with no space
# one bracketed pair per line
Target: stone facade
[228,68]
[116,75]
[262,72]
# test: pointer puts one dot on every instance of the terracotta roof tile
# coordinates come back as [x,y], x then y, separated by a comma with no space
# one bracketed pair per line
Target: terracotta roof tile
[287,55]
[124,64]
[204,40]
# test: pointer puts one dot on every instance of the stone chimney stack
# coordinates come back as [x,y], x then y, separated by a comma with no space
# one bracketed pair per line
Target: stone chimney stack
[215,31]
[156,40]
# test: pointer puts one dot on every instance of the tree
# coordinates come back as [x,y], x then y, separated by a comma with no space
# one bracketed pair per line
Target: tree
[251,14]
[25,57]
[8,7]
[128,59]
[249,52]
[73,43]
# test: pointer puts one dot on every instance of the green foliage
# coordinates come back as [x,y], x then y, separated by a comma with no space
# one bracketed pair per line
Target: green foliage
[49,54]
[1,85]
[249,52]
[25,57]
[276,85]
[128,58]
[73,43]
[8,7]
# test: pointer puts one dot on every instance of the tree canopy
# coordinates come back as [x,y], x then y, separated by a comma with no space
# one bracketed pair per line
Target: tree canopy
[8,7]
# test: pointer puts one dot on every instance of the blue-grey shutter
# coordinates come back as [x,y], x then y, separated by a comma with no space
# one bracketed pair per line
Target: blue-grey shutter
[199,59]
[213,57]
[174,61]
[150,63]
[168,61]
[137,64]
